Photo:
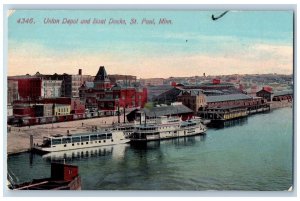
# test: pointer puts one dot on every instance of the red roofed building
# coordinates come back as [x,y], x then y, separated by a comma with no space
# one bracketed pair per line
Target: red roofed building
[270,95]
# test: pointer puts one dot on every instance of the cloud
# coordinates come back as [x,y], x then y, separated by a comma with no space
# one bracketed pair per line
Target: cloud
[232,59]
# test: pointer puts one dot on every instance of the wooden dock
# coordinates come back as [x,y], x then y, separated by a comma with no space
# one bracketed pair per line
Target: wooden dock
[231,112]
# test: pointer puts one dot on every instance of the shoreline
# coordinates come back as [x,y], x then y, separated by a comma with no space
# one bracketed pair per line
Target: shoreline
[18,139]
[17,153]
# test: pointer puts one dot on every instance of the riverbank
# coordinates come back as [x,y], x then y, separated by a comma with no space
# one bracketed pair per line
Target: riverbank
[18,137]
[251,155]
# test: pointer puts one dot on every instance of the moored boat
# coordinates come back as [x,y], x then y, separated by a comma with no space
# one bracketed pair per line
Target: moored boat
[63,177]
[127,128]
[80,141]
[167,127]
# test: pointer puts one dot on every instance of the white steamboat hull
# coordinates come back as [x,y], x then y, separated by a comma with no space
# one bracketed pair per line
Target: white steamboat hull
[81,145]
[170,134]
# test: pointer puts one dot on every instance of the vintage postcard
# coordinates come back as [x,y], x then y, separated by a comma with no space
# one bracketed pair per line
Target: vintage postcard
[189,100]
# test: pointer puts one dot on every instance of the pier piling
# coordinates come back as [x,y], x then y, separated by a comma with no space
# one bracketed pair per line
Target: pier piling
[31,141]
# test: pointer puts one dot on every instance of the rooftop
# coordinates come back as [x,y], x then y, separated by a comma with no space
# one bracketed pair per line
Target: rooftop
[213,91]
[282,93]
[101,75]
[228,97]
[228,107]
[119,86]
[215,85]
[89,84]
[166,110]
[192,92]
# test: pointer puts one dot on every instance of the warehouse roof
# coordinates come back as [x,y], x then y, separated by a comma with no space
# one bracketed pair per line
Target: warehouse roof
[209,84]
[278,93]
[192,92]
[282,93]
[228,97]
[228,107]
[169,95]
[213,92]
[166,110]
[119,86]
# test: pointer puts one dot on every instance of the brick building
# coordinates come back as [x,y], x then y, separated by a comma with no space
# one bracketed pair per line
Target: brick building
[234,100]
[12,91]
[43,110]
[193,99]
[152,81]
[69,84]
[23,110]
[102,81]
[76,106]
[51,88]
[104,96]
[122,79]
[270,95]
[61,109]
[225,107]
[30,88]
[213,88]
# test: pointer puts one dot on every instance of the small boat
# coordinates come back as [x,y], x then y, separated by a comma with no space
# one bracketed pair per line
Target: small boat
[167,127]
[80,141]
[63,177]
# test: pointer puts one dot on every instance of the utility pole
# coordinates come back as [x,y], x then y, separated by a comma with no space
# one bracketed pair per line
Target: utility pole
[118,112]
[124,113]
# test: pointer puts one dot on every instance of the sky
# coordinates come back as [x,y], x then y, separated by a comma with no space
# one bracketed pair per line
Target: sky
[241,42]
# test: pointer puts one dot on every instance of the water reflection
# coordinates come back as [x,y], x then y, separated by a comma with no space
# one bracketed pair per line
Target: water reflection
[116,152]
[178,142]
[188,141]
[31,158]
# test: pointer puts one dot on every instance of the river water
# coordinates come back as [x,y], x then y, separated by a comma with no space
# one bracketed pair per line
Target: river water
[255,153]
